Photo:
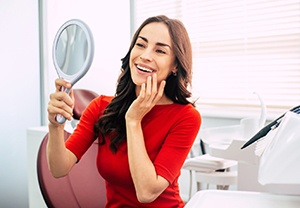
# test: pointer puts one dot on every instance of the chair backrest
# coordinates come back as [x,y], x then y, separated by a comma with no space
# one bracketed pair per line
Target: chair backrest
[82,98]
[82,187]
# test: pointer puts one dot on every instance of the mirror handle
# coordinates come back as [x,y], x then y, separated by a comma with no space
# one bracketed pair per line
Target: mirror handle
[60,118]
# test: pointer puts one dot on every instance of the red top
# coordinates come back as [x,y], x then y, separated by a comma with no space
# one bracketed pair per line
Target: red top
[169,132]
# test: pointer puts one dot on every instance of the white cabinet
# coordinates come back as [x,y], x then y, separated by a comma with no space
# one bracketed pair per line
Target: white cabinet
[35,136]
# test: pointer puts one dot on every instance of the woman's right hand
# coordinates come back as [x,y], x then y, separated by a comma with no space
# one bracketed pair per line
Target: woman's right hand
[60,102]
[60,159]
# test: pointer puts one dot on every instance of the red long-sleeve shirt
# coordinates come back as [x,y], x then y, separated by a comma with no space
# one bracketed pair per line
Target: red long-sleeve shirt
[169,132]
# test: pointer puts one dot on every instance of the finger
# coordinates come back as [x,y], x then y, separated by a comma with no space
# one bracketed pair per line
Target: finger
[62,96]
[65,111]
[152,88]
[61,103]
[160,91]
[53,111]
[71,94]
[141,96]
[154,84]
[161,88]
[61,83]
[148,88]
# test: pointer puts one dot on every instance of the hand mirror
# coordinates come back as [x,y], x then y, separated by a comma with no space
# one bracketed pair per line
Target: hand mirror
[72,53]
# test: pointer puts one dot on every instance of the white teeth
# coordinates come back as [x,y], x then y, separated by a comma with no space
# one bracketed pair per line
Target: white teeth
[145,69]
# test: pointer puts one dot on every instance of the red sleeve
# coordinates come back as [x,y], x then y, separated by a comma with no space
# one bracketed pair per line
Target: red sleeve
[83,136]
[178,143]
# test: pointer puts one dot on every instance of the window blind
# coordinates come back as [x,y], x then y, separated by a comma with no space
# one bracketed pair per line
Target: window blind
[239,47]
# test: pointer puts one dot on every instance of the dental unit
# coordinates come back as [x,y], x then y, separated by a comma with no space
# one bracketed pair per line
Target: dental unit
[268,165]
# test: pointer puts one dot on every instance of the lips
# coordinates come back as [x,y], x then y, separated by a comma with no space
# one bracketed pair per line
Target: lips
[145,69]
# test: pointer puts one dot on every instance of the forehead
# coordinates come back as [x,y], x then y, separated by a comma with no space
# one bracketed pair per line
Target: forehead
[156,32]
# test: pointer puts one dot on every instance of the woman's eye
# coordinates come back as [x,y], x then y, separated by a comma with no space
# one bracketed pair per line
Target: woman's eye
[161,51]
[139,44]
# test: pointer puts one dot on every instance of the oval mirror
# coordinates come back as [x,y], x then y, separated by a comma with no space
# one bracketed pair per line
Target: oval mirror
[72,53]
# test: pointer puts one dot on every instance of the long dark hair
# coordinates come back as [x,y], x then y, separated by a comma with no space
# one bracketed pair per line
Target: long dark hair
[112,123]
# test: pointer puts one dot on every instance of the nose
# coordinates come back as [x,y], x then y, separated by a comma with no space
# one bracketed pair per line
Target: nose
[146,56]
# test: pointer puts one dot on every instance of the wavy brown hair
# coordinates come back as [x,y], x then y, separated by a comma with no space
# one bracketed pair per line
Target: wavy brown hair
[112,122]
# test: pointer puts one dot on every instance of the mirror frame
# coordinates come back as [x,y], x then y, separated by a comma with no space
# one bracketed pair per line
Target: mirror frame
[90,53]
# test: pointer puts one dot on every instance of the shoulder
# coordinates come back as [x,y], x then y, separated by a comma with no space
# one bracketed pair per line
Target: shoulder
[177,114]
[101,101]
[187,117]
[187,111]
[177,110]
[96,107]
[104,98]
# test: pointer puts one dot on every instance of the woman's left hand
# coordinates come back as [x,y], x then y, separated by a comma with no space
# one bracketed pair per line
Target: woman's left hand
[147,99]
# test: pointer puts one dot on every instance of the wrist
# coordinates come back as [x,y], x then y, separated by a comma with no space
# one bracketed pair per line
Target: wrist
[53,126]
[133,122]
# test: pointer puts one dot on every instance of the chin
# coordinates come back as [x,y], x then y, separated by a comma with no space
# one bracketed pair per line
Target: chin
[138,81]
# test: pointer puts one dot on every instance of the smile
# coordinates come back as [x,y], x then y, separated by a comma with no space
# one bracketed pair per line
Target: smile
[144,69]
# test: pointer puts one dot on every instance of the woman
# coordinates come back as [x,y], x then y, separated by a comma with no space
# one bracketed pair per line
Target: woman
[145,131]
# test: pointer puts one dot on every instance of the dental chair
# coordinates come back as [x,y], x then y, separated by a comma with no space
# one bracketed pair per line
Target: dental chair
[83,186]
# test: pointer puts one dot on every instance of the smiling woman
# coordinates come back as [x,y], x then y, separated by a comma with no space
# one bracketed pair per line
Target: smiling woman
[139,129]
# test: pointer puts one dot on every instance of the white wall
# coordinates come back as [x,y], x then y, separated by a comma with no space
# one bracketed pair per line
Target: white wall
[20,82]
[19,106]
[20,76]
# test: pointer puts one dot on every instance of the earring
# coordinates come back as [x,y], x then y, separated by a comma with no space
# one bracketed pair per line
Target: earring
[174,74]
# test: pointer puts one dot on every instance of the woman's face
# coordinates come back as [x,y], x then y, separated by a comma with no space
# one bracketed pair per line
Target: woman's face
[152,53]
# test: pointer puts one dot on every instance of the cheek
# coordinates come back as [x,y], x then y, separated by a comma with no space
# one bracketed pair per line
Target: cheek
[167,70]
[165,73]
[132,58]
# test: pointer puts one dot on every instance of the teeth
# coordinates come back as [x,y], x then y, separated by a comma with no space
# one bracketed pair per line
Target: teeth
[144,69]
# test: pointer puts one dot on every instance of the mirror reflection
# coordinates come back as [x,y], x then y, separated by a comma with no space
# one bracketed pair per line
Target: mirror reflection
[71,49]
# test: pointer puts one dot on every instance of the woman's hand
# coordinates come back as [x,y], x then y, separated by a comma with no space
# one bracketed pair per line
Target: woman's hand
[60,102]
[60,159]
[147,99]
[148,185]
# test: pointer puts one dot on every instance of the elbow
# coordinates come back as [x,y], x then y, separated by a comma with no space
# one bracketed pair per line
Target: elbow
[56,173]
[147,193]
[146,197]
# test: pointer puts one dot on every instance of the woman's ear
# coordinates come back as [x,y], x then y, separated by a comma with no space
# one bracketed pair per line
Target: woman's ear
[174,70]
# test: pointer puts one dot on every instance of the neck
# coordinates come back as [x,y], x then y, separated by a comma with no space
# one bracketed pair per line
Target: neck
[164,100]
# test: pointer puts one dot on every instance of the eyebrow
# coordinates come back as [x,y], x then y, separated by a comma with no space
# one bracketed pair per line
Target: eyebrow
[158,43]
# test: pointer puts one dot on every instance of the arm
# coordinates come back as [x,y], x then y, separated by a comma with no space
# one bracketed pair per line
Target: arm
[60,159]
[148,184]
